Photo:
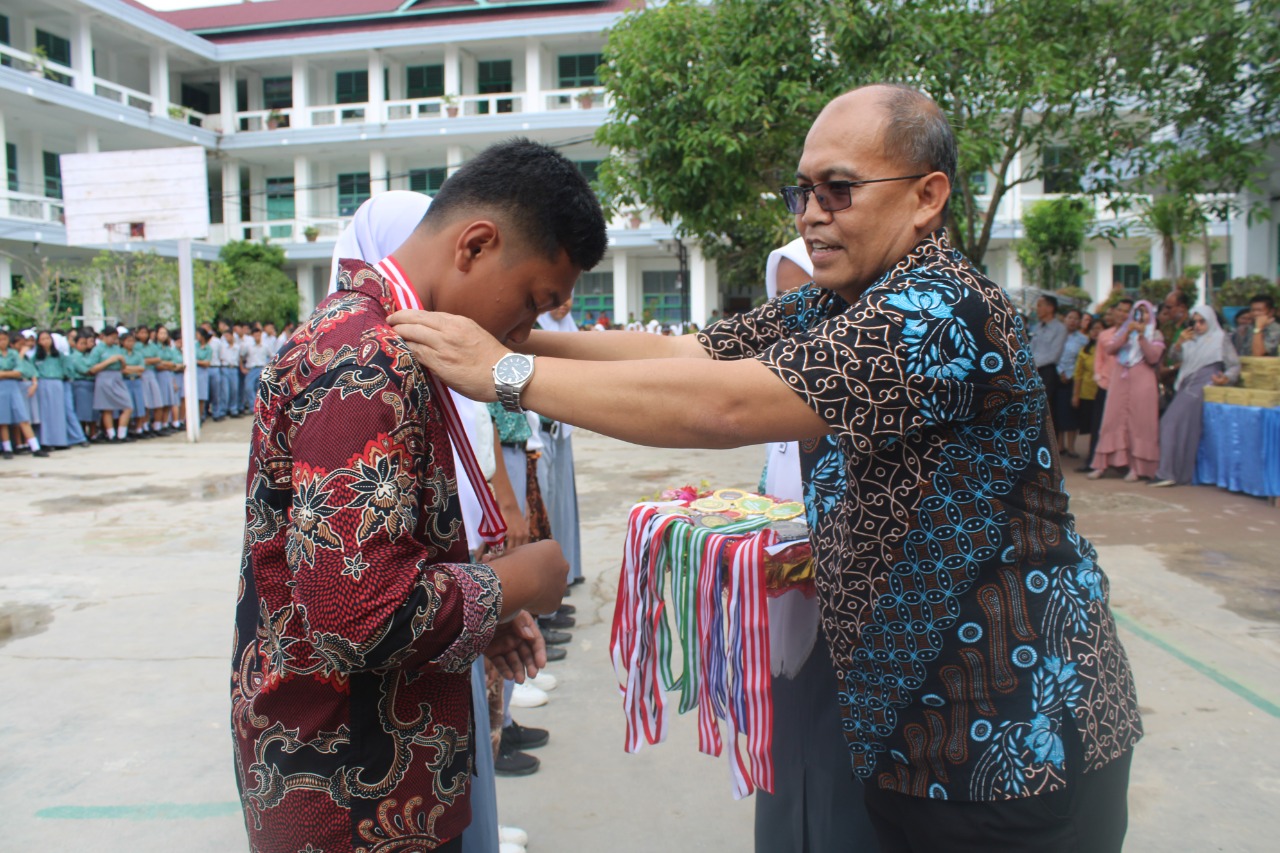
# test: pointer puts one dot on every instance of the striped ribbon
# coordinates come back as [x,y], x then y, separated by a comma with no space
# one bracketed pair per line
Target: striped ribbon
[718,592]
[493,530]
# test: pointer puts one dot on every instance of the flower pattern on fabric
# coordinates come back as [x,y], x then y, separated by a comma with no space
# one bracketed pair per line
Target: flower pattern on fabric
[967,620]
[358,616]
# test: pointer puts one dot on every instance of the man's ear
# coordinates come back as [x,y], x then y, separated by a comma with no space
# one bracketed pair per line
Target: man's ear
[477,240]
[931,198]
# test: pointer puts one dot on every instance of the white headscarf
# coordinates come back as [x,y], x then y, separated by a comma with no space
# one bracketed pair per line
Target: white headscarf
[565,324]
[1131,353]
[1204,349]
[380,225]
[793,616]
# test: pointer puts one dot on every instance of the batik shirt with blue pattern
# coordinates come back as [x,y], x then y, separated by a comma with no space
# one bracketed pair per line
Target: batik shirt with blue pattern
[968,621]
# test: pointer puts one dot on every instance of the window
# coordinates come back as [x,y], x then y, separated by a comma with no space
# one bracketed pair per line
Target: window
[353,191]
[1218,274]
[593,296]
[351,87]
[495,76]
[589,169]
[978,182]
[1061,171]
[280,205]
[11,165]
[424,81]
[277,93]
[579,71]
[56,49]
[52,175]
[197,99]
[1126,276]
[4,39]
[427,181]
[663,295]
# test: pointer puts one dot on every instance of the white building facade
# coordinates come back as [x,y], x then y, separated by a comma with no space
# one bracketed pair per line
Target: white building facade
[304,114]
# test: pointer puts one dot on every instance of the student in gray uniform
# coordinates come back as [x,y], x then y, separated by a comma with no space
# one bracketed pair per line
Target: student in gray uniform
[13,402]
[109,392]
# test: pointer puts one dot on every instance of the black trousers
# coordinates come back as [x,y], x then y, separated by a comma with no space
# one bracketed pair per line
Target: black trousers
[1089,816]
[1099,403]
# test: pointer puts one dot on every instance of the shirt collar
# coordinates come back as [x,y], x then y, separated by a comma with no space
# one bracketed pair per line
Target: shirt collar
[384,281]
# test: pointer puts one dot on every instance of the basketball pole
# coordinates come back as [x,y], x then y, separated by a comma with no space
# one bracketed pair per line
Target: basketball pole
[187,300]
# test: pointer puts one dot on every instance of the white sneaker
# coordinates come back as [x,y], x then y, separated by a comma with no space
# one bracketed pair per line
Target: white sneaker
[527,696]
[544,681]
[513,835]
[508,847]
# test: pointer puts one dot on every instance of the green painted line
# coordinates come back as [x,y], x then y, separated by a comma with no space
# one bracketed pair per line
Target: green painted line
[1259,702]
[151,811]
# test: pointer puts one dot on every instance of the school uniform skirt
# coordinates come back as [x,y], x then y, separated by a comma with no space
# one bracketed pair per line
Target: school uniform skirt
[202,384]
[179,387]
[33,401]
[137,391]
[13,403]
[82,390]
[110,393]
[53,413]
[151,389]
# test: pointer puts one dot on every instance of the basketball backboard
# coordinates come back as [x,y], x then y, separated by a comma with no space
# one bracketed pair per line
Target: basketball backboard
[118,196]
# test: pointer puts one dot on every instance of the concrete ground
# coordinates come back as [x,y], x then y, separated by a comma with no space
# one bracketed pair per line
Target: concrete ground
[116,594]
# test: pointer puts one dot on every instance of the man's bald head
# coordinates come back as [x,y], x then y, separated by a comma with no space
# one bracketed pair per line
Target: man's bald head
[913,129]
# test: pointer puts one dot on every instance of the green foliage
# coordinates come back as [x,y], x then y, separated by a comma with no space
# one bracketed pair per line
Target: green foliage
[712,101]
[1238,291]
[1079,295]
[48,297]
[1053,234]
[259,288]
[137,287]
[1176,221]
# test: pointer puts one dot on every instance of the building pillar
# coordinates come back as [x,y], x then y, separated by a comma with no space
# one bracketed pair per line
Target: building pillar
[231,213]
[621,288]
[227,100]
[301,192]
[92,308]
[1012,270]
[1250,242]
[159,89]
[4,153]
[533,100]
[454,157]
[306,289]
[82,54]
[377,172]
[6,277]
[1157,260]
[86,140]
[452,70]
[1098,271]
[374,114]
[33,175]
[301,116]
[704,286]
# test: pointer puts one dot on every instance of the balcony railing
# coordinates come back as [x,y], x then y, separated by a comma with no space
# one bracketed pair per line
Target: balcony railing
[123,95]
[37,66]
[33,208]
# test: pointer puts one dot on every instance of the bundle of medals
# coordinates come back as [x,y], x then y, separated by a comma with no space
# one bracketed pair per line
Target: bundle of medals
[692,617]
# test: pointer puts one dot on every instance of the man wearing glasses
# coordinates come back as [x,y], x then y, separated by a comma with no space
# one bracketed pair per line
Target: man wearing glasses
[985,697]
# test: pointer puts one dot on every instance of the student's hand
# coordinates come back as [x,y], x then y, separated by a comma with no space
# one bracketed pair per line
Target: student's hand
[31,392]
[517,527]
[1075,401]
[517,649]
[454,348]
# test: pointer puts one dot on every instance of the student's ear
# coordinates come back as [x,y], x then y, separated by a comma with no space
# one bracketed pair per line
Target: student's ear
[476,241]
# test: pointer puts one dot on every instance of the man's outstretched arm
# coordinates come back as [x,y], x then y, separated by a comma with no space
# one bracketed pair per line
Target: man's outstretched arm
[610,346]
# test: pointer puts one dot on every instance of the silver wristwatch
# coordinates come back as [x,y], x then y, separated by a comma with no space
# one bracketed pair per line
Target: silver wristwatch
[512,372]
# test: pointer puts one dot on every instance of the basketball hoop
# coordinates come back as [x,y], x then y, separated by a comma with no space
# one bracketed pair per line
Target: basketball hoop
[126,230]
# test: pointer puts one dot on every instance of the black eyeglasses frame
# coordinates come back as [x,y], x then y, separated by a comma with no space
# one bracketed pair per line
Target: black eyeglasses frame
[796,198]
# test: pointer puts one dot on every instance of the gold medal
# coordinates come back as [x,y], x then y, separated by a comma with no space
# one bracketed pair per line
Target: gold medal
[709,505]
[784,511]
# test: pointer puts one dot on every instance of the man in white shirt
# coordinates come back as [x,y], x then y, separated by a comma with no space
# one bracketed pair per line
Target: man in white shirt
[255,354]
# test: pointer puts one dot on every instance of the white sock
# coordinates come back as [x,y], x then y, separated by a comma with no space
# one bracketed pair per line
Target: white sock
[33,443]
[122,432]
[7,446]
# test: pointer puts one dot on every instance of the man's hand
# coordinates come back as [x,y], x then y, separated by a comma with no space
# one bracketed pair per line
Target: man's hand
[454,348]
[517,648]
[1221,379]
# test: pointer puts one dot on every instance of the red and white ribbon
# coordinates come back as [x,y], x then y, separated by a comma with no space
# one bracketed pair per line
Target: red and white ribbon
[493,530]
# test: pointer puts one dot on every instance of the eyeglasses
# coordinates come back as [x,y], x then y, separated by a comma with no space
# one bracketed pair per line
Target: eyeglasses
[831,195]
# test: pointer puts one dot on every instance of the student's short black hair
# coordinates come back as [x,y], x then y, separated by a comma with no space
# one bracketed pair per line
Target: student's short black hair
[1052,300]
[1180,297]
[534,188]
[1125,300]
[1265,299]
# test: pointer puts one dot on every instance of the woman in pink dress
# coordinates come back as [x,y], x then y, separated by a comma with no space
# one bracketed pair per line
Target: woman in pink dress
[1130,434]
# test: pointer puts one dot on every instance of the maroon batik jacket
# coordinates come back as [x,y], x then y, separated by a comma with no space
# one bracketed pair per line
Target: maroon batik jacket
[358,616]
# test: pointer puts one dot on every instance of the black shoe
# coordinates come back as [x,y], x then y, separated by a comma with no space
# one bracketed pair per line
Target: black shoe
[553,637]
[129,438]
[1083,469]
[577,581]
[40,454]
[555,653]
[557,620]
[567,609]
[517,737]
[8,454]
[59,447]
[513,762]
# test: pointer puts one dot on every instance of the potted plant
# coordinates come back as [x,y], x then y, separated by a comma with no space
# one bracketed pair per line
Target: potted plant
[311,232]
[40,56]
[635,219]
[178,113]
[274,118]
[450,102]
[585,99]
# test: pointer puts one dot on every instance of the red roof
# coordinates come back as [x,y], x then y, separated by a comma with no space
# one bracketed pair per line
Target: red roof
[331,16]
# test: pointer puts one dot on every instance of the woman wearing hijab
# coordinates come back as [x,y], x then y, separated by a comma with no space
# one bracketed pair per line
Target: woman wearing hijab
[816,804]
[1205,356]
[1130,434]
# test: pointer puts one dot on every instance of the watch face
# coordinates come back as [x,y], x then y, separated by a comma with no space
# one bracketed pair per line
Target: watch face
[512,371]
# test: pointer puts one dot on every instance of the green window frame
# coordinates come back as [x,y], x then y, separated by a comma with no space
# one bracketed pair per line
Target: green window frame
[663,295]
[351,87]
[1060,169]
[593,296]
[11,165]
[277,93]
[579,70]
[52,175]
[280,205]
[56,49]
[590,169]
[978,182]
[1127,276]
[353,191]
[427,181]
[494,76]
[5,61]
[424,81]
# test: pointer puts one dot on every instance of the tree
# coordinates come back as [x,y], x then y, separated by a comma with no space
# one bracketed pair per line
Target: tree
[712,101]
[260,290]
[48,296]
[1054,232]
[137,287]
[1175,220]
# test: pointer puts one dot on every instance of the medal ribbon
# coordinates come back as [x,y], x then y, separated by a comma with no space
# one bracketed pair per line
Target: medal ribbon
[493,530]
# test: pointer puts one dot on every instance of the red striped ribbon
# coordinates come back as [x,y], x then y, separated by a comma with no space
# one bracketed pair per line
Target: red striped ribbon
[493,530]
